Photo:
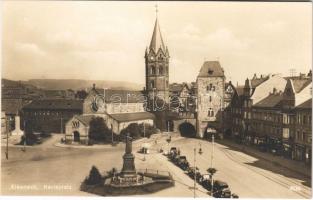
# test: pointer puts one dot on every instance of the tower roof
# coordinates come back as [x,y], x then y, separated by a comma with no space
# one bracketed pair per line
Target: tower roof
[157,40]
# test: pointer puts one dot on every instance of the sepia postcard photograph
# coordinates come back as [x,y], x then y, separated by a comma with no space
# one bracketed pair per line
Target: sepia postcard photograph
[167,99]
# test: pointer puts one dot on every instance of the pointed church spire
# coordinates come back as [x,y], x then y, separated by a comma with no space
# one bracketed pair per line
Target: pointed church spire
[157,40]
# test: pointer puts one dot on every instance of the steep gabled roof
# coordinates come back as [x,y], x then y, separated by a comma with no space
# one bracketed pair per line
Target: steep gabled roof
[123,96]
[211,69]
[85,119]
[55,104]
[128,117]
[305,105]
[157,40]
[240,90]
[300,84]
[271,101]
[258,81]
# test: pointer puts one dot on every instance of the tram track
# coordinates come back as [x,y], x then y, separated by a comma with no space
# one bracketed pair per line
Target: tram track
[303,192]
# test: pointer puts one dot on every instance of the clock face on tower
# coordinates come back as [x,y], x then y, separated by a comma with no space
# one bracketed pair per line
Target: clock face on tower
[151,58]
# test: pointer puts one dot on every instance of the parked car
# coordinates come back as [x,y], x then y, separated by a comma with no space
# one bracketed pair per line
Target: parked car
[173,150]
[181,161]
[144,150]
[191,173]
[234,196]
[220,189]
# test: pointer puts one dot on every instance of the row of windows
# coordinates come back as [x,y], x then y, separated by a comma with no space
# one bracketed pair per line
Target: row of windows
[210,112]
[303,136]
[48,113]
[269,129]
[210,87]
[267,116]
[152,84]
[236,110]
[304,119]
[155,71]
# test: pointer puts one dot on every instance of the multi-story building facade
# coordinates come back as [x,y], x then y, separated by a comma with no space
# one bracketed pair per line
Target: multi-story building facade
[265,113]
[303,132]
[48,115]
[210,97]
[254,91]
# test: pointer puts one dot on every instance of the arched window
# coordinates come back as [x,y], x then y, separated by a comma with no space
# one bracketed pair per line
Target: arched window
[210,112]
[161,70]
[152,69]
[152,84]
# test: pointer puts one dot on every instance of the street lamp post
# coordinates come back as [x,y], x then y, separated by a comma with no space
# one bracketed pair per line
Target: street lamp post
[194,182]
[212,164]
[195,169]
[112,134]
[24,147]
[144,149]
[7,130]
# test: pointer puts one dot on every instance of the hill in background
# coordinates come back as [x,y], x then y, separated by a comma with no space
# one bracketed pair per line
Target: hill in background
[75,84]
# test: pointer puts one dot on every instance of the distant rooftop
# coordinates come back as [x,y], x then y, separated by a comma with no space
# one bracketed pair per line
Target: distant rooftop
[55,104]
[211,69]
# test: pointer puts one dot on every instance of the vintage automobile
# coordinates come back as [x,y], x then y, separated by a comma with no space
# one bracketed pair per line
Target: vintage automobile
[172,153]
[191,173]
[234,196]
[144,150]
[182,163]
[220,189]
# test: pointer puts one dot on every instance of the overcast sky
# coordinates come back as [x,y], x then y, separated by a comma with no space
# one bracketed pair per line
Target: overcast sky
[107,40]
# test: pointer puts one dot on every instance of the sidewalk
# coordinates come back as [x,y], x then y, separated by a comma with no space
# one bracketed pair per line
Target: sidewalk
[291,165]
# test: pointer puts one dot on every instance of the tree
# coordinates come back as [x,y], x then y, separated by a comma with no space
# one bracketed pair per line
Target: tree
[136,131]
[81,94]
[133,130]
[94,177]
[99,131]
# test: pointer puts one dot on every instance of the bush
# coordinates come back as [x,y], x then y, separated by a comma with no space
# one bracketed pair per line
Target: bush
[94,177]
[132,129]
[149,130]
[187,130]
[136,131]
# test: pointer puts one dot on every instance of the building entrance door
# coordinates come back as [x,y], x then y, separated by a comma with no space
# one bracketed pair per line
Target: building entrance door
[76,136]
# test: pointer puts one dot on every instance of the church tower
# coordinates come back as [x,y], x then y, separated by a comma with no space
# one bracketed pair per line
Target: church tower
[157,66]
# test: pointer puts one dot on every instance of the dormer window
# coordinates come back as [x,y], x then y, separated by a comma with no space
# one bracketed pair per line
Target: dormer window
[210,71]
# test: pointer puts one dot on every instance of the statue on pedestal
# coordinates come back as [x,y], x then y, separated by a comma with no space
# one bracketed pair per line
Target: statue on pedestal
[128,169]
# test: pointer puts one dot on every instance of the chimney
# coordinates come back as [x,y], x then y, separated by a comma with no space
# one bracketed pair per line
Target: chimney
[274,90]
[94,86]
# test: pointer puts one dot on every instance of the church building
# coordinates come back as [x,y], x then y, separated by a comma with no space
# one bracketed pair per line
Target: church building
[157,66]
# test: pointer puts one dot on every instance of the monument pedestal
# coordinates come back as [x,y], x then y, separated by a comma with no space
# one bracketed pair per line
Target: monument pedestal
[128,170]
[17,130]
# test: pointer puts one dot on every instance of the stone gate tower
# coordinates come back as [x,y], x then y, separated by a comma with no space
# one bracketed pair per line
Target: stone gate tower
[157,66]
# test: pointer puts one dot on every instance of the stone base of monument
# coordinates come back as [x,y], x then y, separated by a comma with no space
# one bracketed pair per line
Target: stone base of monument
[140,183]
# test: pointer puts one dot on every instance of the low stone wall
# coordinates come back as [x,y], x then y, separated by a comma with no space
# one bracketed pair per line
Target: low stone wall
[159,182]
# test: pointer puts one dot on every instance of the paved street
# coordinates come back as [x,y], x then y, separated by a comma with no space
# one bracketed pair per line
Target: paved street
[44,167]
